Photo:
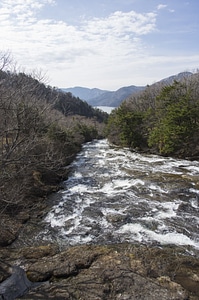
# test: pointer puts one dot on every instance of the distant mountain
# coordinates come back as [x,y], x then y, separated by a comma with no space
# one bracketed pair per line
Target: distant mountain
[97,97]
[114,99]
[84,93]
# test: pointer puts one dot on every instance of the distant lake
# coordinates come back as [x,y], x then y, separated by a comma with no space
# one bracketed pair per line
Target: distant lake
[107,109]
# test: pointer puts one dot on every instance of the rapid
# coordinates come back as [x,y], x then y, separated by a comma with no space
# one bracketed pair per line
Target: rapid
[114,195]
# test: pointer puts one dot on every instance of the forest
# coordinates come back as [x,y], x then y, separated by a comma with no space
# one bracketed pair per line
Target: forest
[162,119]
[41,131]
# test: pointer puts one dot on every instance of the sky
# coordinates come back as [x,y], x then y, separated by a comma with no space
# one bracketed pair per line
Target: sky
[106,44]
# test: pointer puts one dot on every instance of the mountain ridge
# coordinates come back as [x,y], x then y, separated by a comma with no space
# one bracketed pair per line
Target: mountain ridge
[84,93]
[97,97]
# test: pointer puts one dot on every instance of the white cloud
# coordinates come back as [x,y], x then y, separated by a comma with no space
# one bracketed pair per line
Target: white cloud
[120,23]
[49,42]
[21,12]
[161,6]
[97,52]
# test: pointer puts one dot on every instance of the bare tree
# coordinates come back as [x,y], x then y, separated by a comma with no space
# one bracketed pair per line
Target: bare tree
[6,61]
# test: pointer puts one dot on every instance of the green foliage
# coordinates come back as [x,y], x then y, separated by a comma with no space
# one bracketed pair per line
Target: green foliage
[112,128]
[175,120]
[56,133]
[165,119]
[128,125]
[69,105]
[87,131]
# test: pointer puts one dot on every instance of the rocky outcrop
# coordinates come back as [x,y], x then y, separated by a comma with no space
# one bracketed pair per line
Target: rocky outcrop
[122,271]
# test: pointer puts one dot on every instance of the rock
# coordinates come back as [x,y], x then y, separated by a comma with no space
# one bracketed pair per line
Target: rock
[65,264]
[9,229]
[115,272]
[16,285]
[4,271]
[39,252]
[23,217]
[111,272]
[116,218]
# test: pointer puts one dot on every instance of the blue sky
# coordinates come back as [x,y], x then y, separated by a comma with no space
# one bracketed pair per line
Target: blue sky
[106,44]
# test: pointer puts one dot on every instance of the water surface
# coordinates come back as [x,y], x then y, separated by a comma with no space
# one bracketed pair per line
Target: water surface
[114,195]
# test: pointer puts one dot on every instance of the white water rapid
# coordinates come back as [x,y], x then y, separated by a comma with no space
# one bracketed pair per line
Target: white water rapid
[114,195]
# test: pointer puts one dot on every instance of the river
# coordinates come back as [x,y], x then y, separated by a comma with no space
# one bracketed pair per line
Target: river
[114,195]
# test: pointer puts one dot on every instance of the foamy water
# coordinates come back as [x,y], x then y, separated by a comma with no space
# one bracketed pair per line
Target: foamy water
[113,195]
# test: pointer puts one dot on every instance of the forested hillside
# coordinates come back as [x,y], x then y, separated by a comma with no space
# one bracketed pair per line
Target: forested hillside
[162,119]
[41,130]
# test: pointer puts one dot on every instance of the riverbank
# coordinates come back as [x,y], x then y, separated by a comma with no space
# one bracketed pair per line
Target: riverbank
[39,184]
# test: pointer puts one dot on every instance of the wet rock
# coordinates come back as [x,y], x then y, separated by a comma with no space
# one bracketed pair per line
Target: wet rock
[92,213]
[15,285]
[117,218]
[185,207]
